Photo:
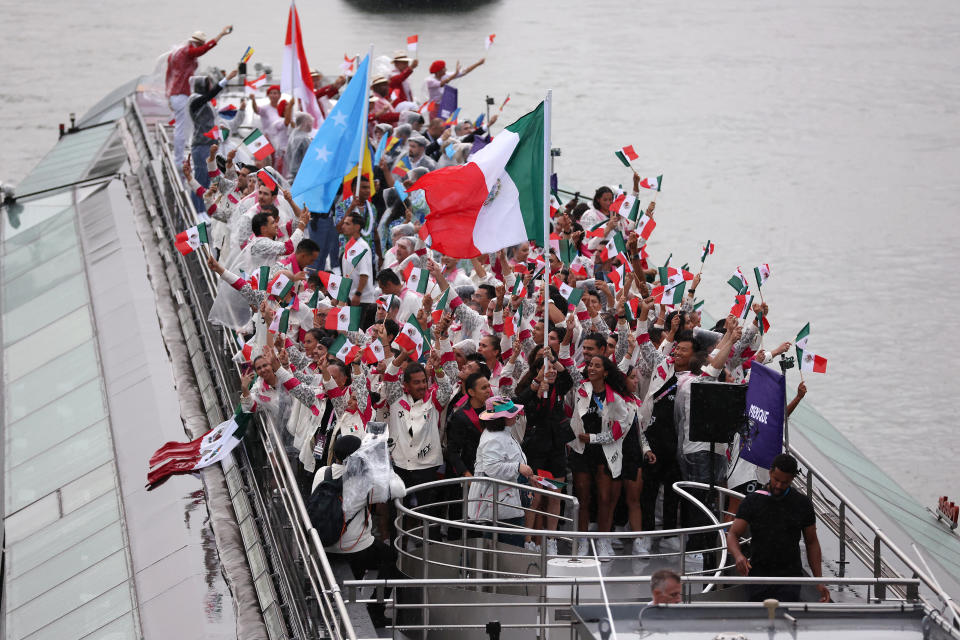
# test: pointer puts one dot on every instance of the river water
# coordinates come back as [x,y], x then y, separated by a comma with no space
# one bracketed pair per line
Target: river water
[821,137]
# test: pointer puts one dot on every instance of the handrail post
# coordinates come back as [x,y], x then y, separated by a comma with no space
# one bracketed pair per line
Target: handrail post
[881,589]
[426,570]
[843,540]
[496,533]
[543,588]
[463,530]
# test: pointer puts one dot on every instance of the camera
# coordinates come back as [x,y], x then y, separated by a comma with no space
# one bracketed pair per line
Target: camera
[787,362]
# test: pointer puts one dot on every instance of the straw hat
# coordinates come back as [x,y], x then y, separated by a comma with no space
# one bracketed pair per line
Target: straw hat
[377,80]
[401,57]
[199,36]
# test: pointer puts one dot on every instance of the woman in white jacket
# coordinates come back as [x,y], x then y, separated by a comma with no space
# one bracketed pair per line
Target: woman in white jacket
[499,456]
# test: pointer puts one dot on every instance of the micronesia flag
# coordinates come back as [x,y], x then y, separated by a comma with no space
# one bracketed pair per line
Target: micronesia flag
[335,148]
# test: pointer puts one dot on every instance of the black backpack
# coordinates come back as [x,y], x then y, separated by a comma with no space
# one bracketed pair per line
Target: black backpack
[325,508]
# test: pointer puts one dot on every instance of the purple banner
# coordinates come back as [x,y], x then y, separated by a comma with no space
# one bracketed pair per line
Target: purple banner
[766,397]
[448,102]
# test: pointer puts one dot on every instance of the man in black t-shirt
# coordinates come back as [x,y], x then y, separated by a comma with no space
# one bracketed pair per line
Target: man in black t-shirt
[776,516]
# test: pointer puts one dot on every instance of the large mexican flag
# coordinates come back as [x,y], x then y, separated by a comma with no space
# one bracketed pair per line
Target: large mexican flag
[497,196]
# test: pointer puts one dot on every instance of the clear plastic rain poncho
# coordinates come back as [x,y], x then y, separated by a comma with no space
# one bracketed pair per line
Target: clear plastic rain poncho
[367,475]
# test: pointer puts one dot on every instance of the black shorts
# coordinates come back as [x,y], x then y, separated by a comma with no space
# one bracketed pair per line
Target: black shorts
[632,455]
[588,461]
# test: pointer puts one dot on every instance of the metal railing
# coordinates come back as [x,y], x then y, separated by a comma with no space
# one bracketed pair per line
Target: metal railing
[311,602]
[868,551]
[314,605]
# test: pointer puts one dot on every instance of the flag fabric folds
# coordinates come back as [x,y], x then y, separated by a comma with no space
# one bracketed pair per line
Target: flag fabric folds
[498,195]
[190,240]
[335,148]
[295,72]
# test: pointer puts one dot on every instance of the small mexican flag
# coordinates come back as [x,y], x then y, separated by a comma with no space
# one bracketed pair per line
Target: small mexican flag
[615,248]
[738,282]
[618,277]
[571,294]
[344,319]
[626,155]
[698,305]
[416,279]
[190,240]
[555,204]
[344,350]
[761,273]
[567,251]
[707,250]
[412,338]
[624,204]
[802,339]
[263,279]
[671,295]
[645,226]
[384,301]
[519,289]
[281,322]
[373,352]
[812,362]
[598,230]
[314,299]
[442,303]
[742,305]
[631,308]
[670,276]
[337,286]
[354,252]
[186,457]
[652,183]
[280,286]
[258,144]
[763,325]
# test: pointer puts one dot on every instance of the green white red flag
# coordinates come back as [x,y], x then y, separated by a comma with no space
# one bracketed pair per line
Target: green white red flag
[343,319]
[186,457]
[671,295]
[416,279]
[280,286]
[738,281]
[571,294]
[626,155]
[412,337]
[645,226]
[810,361]
[742,305]
[618,277]
[353,252]
[258,144]
[707,250]
[495,200]
[761,273]
[344,350]
[337,286]
[442,304]
[190,240]
[653,184]
[624,205]
[373,352]
[614,248]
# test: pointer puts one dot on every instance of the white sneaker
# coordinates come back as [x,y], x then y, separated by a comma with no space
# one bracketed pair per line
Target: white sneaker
[532,546]
[605,548]
[583,547]
[641,546]
[552,547]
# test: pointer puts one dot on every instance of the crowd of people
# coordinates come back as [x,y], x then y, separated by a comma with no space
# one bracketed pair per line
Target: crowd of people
[346,317]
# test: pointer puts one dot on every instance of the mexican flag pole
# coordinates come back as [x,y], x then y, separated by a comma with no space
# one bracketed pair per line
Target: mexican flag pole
[547,111]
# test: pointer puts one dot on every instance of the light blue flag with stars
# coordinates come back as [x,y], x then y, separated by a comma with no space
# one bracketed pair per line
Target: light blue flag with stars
[335,148]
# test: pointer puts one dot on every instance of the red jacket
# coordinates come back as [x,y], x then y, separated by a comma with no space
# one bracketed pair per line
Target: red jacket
[397,81]
[329,91]
[181,64]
